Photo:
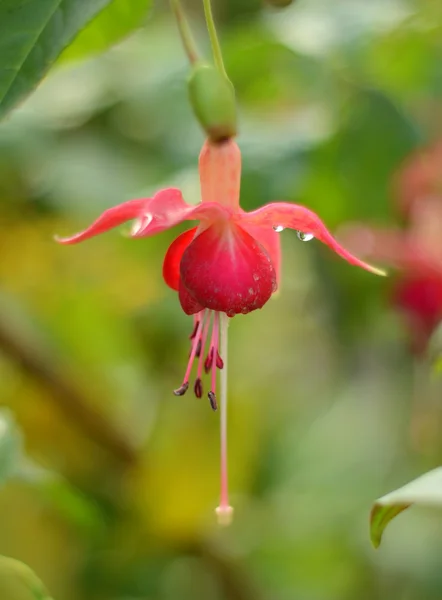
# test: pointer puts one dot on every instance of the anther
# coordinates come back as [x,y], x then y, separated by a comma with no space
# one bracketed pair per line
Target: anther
[212,400]
[195,329]
[198,388]
[219,361]
[208,361]
[198,349]
[182,389]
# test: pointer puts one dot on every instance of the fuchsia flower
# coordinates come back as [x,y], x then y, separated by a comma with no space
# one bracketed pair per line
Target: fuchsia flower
[416,251]
[228,264]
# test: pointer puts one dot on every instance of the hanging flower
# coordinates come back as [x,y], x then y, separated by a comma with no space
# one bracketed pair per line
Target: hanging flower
[419,178]
[416,250]
[228,264]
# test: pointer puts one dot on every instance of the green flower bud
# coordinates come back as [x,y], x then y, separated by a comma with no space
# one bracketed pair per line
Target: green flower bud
[19,582]
[213,101]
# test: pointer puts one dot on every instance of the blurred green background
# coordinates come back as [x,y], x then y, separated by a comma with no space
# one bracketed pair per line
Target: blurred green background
[114,480]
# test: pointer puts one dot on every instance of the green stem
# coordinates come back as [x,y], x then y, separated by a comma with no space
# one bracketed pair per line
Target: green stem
[216,48]
[185,32]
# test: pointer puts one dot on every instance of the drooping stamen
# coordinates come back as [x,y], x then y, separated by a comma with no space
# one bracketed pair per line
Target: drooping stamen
[208,361]
[195,342]
[213,355]
[212,400]
[205,333]
[196,322]
[198,387]
[224,511]
[182,389]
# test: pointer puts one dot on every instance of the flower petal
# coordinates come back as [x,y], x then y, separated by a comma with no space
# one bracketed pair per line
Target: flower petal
[302,219]
[188,303]
[108,220]
[419,298]
[225,269]
[172,260]
[270,240]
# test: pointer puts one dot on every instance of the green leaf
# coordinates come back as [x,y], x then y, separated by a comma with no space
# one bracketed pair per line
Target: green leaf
[19,582]
[10,446]
[32,35]
[113,23]
[424,491]
[70,502]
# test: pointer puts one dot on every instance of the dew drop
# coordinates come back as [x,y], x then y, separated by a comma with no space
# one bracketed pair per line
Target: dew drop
[278,228]
[305,237]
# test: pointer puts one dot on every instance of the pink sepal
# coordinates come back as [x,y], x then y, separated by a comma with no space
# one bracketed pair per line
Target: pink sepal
[152,215]
[294,216]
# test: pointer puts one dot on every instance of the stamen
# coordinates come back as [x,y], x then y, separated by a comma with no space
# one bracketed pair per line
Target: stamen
[182,389]
[196,322]
[212,400]
[205,333]
[196,339]
[193,352]
[198,388]
[208,361]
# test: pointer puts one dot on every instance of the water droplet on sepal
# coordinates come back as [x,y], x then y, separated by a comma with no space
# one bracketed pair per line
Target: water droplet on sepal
[305,237]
